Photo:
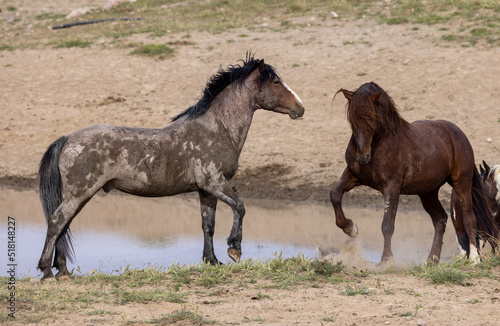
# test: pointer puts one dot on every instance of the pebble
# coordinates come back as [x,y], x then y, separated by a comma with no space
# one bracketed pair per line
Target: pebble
[78,12]
[421,322]
[334,15]
[112,3]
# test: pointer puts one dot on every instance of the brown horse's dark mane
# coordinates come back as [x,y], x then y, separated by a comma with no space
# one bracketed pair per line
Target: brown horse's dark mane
[385,117]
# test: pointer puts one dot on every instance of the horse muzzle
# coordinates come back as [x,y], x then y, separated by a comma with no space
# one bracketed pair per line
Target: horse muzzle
[296,113]
[363,158]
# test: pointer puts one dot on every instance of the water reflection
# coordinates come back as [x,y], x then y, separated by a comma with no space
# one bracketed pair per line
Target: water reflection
[115,230]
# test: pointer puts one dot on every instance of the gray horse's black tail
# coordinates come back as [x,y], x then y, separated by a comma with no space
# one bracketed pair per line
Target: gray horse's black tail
[488,229]
[51,193]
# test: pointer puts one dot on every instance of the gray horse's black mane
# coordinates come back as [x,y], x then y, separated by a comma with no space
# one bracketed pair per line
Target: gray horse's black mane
[216,84]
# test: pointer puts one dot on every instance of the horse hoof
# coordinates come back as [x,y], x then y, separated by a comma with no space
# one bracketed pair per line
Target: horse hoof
[386,262]
[234,254]
[62,277]
[353,231]
[48,279]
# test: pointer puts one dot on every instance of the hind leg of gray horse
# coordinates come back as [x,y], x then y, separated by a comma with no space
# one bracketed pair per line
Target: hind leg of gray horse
[60,264]
[433,207]
[208,205]
[56,224]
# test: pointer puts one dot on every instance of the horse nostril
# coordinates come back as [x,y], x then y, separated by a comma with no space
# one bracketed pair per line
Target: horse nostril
[300,112]
[363,159]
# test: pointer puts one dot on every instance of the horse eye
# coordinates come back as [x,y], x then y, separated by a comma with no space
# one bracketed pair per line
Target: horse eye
[276,82]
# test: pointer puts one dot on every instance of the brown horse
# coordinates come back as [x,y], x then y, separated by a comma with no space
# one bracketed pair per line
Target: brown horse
[395,157]
[490,178]
[198,151]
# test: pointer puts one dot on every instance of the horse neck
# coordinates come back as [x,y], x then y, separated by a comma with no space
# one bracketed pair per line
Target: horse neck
[394,125]
[234,109]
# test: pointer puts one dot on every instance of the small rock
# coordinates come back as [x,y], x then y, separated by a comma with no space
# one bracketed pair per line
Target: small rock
[489,140]
[334,15]
[420,322]
[78,12]
[406,61]
[112,3]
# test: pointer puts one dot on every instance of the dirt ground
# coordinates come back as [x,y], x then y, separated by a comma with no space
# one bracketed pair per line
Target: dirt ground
[47,93]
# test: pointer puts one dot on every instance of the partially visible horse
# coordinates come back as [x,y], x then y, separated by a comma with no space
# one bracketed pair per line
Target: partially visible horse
[490,178]
[198,151]
[395,157]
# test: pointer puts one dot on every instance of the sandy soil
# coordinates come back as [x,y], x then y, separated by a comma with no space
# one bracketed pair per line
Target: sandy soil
[52,92]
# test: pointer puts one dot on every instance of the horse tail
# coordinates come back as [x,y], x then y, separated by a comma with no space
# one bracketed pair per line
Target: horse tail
[50,186]
[484,214]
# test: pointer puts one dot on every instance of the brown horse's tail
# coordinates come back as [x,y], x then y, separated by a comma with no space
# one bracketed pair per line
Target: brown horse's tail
[487,227]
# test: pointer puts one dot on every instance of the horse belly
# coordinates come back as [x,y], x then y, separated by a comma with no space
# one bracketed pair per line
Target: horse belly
[417,181]
[163,181]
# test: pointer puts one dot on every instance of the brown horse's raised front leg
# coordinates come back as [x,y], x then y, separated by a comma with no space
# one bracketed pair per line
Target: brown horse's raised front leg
[208,205]
[391,201]
[347,182]
[433,207]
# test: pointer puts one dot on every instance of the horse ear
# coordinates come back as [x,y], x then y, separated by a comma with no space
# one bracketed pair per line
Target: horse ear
[262,66]
[347,94]
[375,96]
[486,167]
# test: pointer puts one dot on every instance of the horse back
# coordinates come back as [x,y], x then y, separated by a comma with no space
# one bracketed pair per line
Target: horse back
[439,152]
[430,154]
[146,162]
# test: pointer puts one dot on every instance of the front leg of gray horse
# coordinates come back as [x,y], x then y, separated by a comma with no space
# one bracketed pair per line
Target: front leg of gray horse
[220,188]
[208,205]
[236,235]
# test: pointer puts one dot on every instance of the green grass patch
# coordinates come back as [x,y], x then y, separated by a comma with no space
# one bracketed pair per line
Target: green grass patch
[161,51]
[184,314]
[73,43]
[49,16]
[458,271]
[5,47]
[145,296]
[352,291]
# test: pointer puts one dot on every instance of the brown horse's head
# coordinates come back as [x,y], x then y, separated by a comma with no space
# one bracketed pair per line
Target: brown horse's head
[275,95]
[371,111]
[364,122]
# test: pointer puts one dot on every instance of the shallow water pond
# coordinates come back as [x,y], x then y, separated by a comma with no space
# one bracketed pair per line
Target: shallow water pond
[114,231]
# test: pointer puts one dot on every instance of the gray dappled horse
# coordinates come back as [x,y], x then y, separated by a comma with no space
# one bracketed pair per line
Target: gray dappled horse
[197,151]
